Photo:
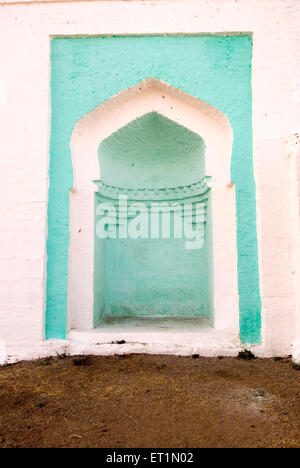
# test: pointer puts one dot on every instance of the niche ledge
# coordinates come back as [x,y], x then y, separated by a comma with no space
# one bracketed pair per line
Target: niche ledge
[155,335]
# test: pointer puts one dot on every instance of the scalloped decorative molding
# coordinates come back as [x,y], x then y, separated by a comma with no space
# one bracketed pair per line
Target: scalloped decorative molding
[152,95]
[171,193]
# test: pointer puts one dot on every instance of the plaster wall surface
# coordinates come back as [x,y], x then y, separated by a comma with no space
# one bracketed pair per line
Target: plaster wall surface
[25,32]
[293,154]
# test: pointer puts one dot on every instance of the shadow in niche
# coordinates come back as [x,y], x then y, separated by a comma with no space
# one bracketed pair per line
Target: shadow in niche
[144,280]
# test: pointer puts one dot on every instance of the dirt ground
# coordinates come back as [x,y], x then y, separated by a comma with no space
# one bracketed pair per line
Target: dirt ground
[150,401]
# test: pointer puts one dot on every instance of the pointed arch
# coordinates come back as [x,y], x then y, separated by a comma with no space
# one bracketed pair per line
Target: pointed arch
[152,95]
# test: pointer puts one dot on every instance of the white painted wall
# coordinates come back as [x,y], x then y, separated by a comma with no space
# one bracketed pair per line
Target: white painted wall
[293,154]
[25,31]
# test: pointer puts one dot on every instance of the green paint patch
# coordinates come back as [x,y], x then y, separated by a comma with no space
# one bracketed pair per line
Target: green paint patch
[88,71]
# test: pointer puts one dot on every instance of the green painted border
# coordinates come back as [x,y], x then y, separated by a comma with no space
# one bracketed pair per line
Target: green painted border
[88,71]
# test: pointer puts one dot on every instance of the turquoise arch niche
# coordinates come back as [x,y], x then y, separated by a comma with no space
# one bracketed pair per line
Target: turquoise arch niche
[146,275]
[85,72]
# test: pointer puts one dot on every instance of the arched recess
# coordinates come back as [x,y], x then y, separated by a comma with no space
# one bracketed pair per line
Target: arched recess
[214,128]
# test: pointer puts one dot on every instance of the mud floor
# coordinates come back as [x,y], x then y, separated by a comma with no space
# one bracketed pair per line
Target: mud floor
[150,401]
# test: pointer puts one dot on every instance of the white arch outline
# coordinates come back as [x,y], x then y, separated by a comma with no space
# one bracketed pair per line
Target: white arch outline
[152,95]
